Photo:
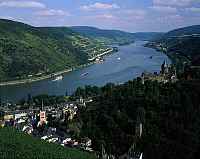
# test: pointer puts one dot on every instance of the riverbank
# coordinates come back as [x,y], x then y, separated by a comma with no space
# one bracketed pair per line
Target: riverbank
[36,79]
[176,58]
[100,55]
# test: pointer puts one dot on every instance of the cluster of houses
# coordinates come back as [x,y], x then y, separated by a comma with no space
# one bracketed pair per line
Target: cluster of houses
[31,121]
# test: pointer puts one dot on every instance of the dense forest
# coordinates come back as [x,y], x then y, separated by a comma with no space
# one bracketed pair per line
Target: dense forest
[108,36]
[27,50]
[17,145]
[169,113]
[194,29]
[183,42]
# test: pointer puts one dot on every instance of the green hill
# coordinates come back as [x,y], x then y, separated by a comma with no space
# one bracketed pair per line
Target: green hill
[114,36]
[169,113]
[105,36]
[27,50]
[181,42]
[195,29]
[147,36]
[16,145]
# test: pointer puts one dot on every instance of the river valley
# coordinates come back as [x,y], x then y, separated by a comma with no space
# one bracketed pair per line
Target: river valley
[128,63]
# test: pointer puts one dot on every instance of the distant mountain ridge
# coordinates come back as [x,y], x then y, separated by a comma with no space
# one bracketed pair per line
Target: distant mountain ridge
[105,36]
[190,30]
[114,36]
[147,36]
[183,41]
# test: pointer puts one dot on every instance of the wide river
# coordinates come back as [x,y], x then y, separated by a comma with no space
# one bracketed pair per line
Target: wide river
[128,63]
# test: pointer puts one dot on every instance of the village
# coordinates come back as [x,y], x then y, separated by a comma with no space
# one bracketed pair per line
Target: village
[38,123]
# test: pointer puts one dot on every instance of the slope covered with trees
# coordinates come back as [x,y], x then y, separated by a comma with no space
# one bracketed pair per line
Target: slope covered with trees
[169,113]
[195,29]
[114,36]
[105,36]
[27,50]
[16,145]
[184,42]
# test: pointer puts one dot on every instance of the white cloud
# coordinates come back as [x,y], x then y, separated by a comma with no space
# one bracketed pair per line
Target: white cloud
[106,16]
[135,14]
[102,17]
[164,9]
[180,3]
[134,11]
[52,12]
[170,19]
[22,4]
[99,6]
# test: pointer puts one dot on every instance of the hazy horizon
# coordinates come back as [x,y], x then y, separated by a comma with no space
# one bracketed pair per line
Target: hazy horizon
[129,15]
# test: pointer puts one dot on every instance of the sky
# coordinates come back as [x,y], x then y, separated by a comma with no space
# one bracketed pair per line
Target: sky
[127,15]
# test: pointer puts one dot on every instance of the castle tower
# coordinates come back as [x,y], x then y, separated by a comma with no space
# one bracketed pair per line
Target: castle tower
[175,73]
[143,77]
[163,68]
[166,68]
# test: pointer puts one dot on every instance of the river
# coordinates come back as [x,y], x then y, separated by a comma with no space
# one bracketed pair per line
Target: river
[128,63]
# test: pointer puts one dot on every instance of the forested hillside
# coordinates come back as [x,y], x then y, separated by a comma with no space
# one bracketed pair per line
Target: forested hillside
[195,29]
[105,36]
[27,50]
[147,36]
[114,36]
[16,145]
[169,113]
[184,42]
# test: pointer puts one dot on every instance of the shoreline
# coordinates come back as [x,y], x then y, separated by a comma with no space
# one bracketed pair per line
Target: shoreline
[36,79]
[175,59]
[102,54]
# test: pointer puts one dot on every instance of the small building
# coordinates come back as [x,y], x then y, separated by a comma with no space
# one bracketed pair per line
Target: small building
[69,113]
[27,129]
[20,115]
[20,121]
[86,142]
[2,123]
[42,116]
[8,117]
